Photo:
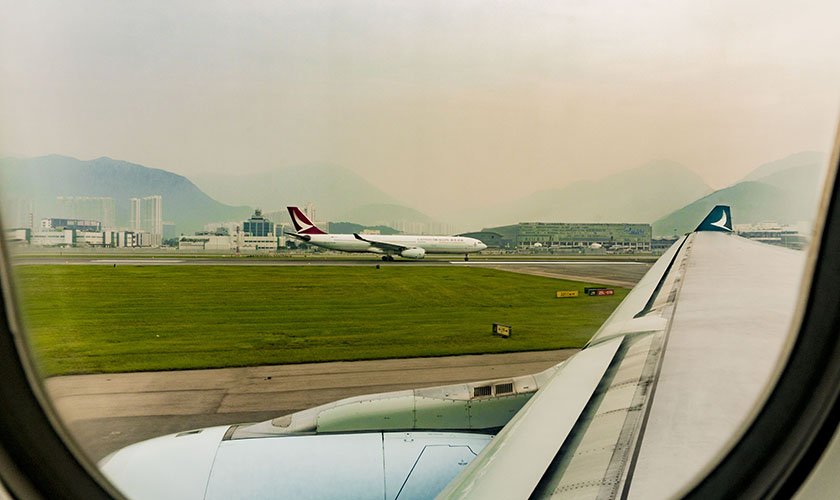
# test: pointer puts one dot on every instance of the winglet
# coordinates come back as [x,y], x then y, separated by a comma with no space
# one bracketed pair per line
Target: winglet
[719,219]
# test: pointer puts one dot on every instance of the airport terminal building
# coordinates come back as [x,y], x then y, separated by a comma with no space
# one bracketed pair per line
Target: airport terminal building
[258,225]
[572,236]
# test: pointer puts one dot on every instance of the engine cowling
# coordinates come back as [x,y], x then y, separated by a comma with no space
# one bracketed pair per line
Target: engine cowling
[413,253]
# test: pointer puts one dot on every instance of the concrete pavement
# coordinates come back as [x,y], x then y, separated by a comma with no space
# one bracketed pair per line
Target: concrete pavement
[107,412]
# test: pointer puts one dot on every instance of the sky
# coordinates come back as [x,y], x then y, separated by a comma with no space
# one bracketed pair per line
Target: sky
[439,103]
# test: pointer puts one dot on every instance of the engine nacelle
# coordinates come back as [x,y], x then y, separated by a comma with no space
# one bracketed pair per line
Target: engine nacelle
[413,253]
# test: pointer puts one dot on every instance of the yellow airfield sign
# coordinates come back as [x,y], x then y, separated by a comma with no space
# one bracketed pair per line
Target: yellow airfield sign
[501,330]
[566,293]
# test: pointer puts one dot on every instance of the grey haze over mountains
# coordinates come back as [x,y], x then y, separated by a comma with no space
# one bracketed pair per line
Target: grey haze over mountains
[637,195]
[662,192]
[44,178]
[785,191]
[335,190]
[338,194]
[640,194]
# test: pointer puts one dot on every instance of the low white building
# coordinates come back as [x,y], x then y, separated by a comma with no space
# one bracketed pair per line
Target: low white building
[73,237]
[258,244]
[127,239]
[207,242]
[19,235]
[774,234]
[53,238]
[147,239]
[239,242]
[89,238]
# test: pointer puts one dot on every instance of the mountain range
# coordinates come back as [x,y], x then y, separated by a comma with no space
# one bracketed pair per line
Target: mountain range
[641,194]
[42,179]
[663,191]
[335,190]
[785,191]
[338,193]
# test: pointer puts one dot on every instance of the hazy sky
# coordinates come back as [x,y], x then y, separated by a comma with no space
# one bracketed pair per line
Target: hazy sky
[428,100]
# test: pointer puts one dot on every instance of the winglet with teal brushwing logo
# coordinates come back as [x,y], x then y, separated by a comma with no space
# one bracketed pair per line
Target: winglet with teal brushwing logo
[719,219]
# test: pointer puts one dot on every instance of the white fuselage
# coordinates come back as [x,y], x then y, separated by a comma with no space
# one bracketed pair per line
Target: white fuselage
[431,244]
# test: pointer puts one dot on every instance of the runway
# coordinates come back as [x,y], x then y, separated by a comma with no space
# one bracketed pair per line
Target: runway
[622,273]
[110,411]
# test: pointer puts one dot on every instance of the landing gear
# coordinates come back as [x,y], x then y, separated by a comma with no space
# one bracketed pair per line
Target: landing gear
[388,258]
[466,257]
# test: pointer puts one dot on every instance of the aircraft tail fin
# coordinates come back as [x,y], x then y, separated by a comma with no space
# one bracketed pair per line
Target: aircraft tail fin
[719,219]
[302,223]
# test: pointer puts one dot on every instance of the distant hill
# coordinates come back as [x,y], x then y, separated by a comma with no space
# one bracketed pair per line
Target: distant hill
[642,194]
[787,196]
[334,190]
[749,201]
[801,159]
[44,178]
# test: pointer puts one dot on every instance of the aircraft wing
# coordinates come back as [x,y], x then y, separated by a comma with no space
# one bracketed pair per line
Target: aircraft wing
[302,237]
[670,378]
[387,246]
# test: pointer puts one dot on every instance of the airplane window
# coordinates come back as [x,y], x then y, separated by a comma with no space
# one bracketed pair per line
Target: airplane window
[481,250]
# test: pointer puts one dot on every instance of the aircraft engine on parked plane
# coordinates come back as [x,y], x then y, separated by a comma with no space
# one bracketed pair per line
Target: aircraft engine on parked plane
[413,253]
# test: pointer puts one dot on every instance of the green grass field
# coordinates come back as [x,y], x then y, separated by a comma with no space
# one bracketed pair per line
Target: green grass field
[89,319]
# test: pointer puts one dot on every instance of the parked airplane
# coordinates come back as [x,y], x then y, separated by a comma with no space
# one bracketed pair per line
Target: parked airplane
[654,398]
[407,246]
